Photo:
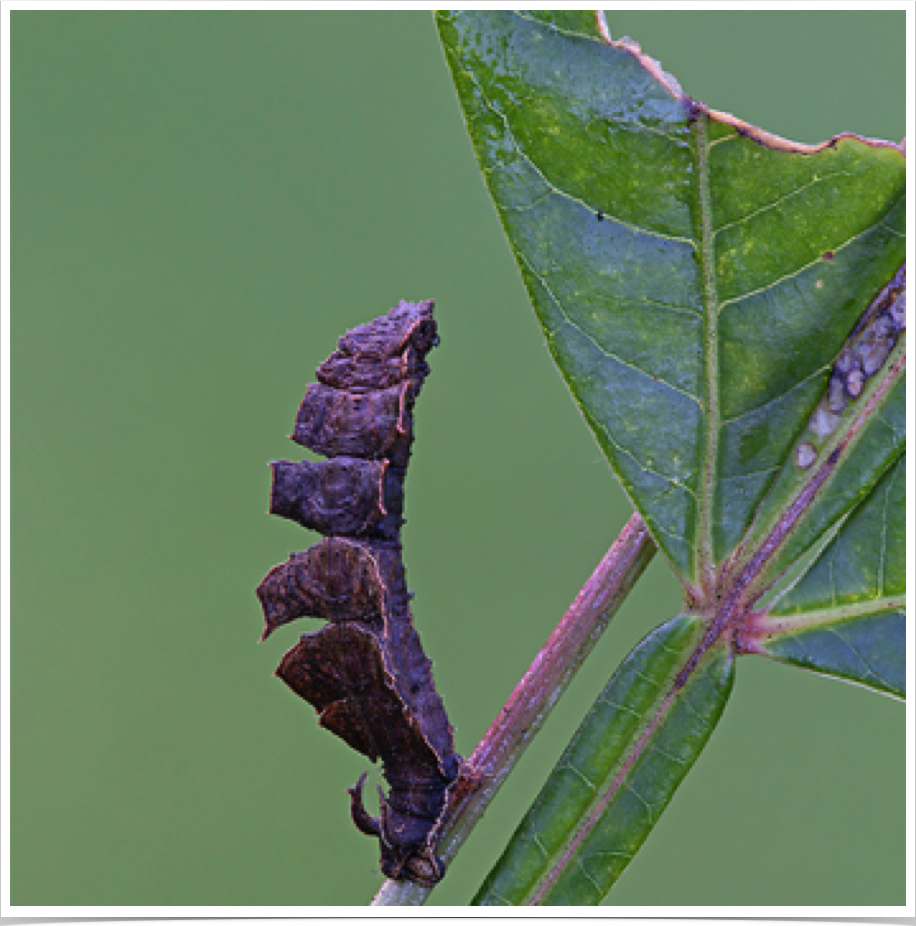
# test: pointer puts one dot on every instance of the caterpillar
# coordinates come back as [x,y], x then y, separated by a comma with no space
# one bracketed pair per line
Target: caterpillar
[365,672]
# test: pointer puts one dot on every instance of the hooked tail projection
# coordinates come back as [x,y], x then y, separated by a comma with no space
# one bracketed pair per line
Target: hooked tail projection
[365,672]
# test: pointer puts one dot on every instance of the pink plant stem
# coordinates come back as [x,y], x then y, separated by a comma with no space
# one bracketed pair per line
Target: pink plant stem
[562,655]
[523,715]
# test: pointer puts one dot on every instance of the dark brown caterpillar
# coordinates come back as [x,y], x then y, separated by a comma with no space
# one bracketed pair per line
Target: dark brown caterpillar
[365,671]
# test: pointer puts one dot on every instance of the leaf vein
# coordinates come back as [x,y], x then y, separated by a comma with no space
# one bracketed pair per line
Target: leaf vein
[779,200]
[615,357]
[759,408]
[794,273]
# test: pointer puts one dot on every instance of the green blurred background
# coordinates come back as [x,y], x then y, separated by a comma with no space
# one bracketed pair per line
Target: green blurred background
[202,203]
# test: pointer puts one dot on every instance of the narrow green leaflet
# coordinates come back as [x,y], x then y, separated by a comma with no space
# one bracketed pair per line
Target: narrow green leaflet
[628,757]
[845,615]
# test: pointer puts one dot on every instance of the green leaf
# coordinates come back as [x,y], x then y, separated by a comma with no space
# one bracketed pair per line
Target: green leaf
[695,277]
[845,615]
[641,737]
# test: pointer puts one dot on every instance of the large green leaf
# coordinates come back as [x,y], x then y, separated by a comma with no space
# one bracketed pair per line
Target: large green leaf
[628,757]
[728,311]
[695,278]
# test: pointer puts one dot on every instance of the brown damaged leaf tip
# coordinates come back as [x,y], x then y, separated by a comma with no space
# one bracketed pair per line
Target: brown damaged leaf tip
[365,672]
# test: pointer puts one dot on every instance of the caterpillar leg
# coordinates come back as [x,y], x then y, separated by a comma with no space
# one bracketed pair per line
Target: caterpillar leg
[364,822]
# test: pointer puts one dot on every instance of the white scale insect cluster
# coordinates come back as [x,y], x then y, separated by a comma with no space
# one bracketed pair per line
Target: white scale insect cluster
[863,355]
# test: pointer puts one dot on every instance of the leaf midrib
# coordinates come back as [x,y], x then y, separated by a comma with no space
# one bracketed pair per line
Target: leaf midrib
[603,798]
[768,625]
[676,683]
[704,563]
